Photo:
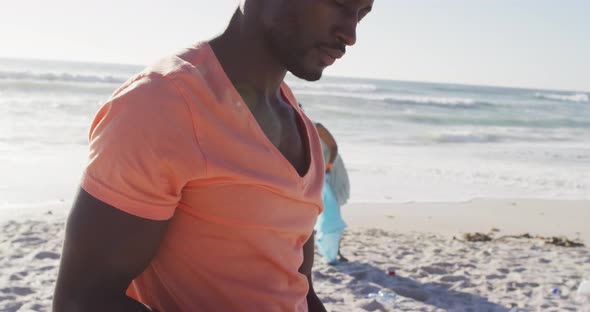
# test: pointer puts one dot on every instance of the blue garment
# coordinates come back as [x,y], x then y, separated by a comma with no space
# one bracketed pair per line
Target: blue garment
[329,225]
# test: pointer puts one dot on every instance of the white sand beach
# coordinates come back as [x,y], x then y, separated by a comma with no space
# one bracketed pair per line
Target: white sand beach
[433,271]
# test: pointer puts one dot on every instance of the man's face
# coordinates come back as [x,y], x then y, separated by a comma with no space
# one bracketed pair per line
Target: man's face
[306,36]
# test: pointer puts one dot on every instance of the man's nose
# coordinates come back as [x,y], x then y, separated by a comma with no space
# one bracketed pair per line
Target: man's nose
[346,30]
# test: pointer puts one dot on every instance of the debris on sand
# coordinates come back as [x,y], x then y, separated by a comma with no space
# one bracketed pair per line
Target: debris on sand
[477,237]
[552,240]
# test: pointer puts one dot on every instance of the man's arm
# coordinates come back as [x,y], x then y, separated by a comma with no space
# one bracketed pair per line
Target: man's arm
[313,302]
[329,140]
[104,250]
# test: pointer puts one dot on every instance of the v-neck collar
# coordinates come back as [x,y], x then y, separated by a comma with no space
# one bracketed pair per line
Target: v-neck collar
[301,124]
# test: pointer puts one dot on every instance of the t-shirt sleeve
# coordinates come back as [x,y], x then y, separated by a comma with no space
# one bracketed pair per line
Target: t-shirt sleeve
[143,150]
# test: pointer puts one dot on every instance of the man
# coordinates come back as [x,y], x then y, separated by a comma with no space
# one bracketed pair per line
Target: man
[204,180]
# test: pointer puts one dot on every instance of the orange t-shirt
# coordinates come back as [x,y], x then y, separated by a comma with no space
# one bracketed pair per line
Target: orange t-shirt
[177,141]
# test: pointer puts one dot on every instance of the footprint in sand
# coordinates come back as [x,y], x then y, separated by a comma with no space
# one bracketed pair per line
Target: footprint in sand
[364,290]
[403,254]
[328,299]
[47,255]
[549,305]
[29,241]
[466,266]
[15,277]
[543,260]
[452,278]
[434,270]
[466,284]
[503,271]
[483,254]
[526,285]
[11,227]
[416,294]
[11,307]
[512,286]
[519,270]
[18,276]
[443,264]
[19,291]
[495,276]
[359,274]
[3,298]
[17,255]
[335,280]
[370,305]
[317,275]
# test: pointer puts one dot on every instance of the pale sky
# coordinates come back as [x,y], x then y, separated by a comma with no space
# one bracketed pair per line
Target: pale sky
[525,43]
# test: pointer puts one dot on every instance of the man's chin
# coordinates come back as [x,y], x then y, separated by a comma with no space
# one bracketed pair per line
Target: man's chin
[309,75]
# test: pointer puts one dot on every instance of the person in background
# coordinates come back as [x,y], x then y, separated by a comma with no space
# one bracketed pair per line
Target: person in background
[335,193]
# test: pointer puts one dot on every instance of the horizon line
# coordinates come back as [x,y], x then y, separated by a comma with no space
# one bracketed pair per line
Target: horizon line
[360,77]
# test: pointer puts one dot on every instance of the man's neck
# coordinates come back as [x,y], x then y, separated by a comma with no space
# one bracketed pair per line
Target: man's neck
[248,62]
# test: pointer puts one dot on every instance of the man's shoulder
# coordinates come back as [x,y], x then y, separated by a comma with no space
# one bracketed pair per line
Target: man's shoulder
[167,71]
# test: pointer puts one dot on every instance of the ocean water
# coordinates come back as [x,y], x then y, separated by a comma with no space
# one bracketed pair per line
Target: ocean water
[401,141]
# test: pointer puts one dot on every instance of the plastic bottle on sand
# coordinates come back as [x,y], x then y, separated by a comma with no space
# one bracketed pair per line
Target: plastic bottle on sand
[386,297]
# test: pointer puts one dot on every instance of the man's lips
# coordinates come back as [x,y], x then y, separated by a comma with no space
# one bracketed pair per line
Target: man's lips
[333,53]
[329,55]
